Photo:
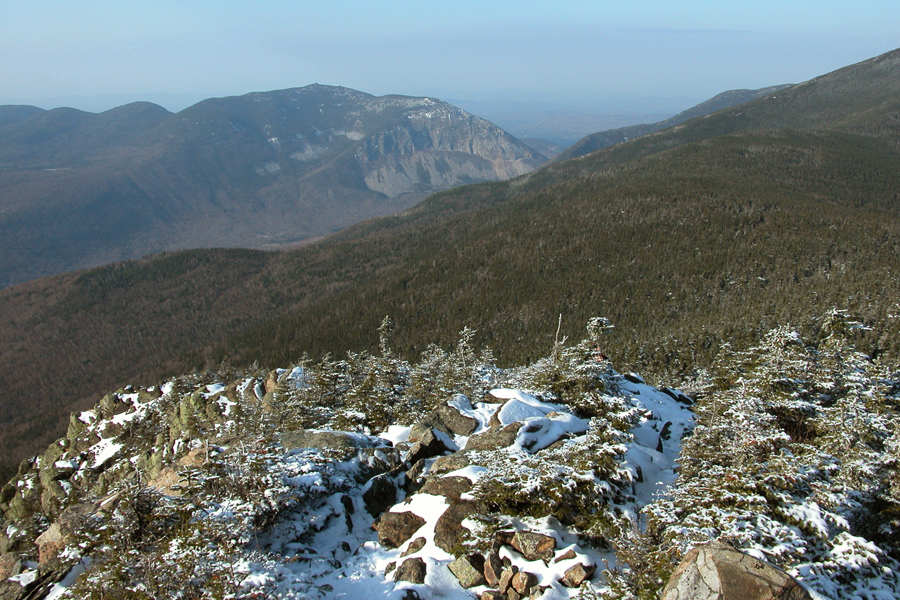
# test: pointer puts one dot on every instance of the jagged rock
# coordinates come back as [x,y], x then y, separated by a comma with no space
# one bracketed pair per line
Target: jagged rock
[469,570]
[567,555]
[412,570]
[195,458]
[495,438]
[577,574]
[716,571]
[394,528]
[493,569]
[503,538]
[448,530]
[50,543]
[633,378]
[534,546]
[414,477]
[512,594]
[389,568]
[9,566]
[444,418]
[523,581]
[428,446]
[449,487]
[491,595]
[506,578]
[414,546]
[449,463]
[380,494]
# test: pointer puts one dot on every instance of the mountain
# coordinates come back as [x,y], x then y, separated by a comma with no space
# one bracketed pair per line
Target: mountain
[261,170]
[688,240]
[604,139]
[450,477]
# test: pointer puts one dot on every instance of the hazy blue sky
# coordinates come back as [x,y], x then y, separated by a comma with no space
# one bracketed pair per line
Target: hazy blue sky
[571,52]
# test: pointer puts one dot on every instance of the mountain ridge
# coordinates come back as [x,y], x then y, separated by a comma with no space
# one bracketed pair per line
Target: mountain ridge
[686,239]
[258,170]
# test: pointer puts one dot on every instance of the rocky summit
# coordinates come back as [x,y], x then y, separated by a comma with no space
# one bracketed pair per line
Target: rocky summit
[373,477]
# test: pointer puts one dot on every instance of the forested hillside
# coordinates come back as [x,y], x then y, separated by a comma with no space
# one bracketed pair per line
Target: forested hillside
[712,232]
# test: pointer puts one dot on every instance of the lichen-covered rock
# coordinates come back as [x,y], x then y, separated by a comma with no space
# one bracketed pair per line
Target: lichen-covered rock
[448,531]
[533,545]
[469,570]
[449,487]
[394,528]
[523,582]
[450,462]
[716,571]
[412,570]
[495,437]
[577,574]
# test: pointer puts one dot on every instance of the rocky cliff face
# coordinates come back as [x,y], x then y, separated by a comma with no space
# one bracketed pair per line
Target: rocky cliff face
[259,170]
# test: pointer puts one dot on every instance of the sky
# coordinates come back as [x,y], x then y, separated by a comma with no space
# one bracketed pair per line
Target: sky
[627,54]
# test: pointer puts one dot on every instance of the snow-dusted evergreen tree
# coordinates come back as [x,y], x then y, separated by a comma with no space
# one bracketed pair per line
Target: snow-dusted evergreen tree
[784,462]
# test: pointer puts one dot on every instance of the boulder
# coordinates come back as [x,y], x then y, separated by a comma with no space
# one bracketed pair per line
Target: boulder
[328,440]
[447,419]
[448,530]
[523,581]
[469,570]
[505,583]
[412,570]
[534,546]
[50,544]
[449,487]
[429,445]
[577,574]
[495,438]
[449,463]
[394,528]
[717,571]
[491,595]
[380,494]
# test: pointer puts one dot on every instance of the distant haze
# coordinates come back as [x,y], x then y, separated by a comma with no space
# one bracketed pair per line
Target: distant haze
[648,57]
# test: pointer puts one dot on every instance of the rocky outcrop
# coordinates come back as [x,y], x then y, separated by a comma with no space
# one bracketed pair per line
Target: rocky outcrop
[717,571]
[395,528]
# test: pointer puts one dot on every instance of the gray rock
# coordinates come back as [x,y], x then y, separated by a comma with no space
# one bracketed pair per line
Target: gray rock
[495,438]
[412,570]
[394,528]
[716,571]
[469,570]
